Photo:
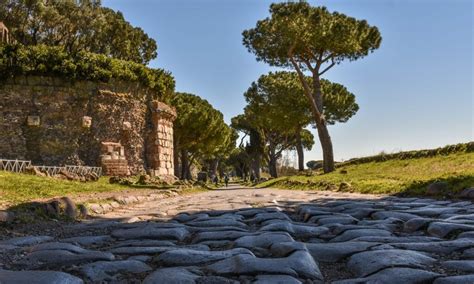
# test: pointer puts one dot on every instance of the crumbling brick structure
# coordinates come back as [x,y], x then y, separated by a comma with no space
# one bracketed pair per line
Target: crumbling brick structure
[53,121]
[113,160]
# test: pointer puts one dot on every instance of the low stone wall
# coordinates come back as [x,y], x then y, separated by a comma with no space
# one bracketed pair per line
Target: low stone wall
[53,121]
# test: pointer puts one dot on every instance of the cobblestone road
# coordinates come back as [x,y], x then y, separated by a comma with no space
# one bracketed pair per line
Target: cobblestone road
[257,236]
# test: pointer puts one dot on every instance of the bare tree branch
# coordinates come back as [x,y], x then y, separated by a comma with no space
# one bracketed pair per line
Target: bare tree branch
[327,68]
[242,140]
[330,56]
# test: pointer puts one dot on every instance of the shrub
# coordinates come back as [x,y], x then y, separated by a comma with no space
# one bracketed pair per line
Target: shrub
[43,60]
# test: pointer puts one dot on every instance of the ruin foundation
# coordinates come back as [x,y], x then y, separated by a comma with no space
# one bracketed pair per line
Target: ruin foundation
[53,121]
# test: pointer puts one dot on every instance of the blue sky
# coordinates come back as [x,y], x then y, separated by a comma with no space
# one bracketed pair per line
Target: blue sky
[414,92]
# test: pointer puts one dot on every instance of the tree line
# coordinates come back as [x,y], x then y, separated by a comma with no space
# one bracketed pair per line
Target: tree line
[282,107]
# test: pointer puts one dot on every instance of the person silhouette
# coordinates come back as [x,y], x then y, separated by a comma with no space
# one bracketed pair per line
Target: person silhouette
[226,180]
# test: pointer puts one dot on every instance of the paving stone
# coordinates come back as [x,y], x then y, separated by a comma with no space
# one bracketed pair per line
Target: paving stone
[262,217]
[352,234]
[392,214]
[143,243]
[298,264]
[416,224]
[361,213]
[5,248]
[461,265]
[343,220]
[58,246]
[217,222]
[142,258]
[196,257]
[27,241]
[285,249]
[441,229]
[308,213]
[173,275]
[152,232]
[216,229]
[108,270]
[466,235]
[89,240]
[296,230]
[220,235]
[339,229]
[382,222]
[264,240]
[247,213]
[153,250]
[468,216]
[461,279]
[215,280]
[386,240]
[441,247]
[365,263]
[468,253]
[407,239]
[276,279]
[333,252]
[56,258]
[394,276]
[429,211]
[37,277]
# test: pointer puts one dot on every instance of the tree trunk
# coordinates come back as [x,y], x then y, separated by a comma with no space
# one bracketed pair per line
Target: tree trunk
[184,164]
[272,162]
[272,167]
[176,159]
[213,167]
[300,151]
[316,101]
[326,146]
[323,133]
[256,166]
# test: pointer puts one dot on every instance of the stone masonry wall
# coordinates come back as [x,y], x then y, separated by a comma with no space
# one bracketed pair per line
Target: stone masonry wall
[160,152]
[74,118]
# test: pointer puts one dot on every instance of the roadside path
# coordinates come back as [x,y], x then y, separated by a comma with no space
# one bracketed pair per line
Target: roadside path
[256,236]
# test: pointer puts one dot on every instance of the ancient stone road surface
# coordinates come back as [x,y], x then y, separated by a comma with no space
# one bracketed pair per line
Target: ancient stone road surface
[257,236]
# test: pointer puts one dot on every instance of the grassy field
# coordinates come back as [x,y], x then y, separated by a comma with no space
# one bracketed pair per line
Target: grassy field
[19,188]
[397,176]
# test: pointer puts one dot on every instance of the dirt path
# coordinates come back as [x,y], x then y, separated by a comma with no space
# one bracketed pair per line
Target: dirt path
[233,197]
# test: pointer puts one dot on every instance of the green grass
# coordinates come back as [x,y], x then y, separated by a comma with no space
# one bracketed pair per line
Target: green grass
[405,177]
[19,188]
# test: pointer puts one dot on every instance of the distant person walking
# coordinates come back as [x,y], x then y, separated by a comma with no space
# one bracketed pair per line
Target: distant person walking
[226,180]
[216,180]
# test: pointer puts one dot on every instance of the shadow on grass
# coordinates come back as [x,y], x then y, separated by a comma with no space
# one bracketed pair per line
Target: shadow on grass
[455,185]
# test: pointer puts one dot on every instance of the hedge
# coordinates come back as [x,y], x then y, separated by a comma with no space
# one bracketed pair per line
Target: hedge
[46,60]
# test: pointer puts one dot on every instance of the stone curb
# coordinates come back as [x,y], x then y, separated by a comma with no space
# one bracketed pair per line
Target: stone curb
[122,201]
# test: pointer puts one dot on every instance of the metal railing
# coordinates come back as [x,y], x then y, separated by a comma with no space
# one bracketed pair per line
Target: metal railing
[20,166]
[84,170]
[17,166]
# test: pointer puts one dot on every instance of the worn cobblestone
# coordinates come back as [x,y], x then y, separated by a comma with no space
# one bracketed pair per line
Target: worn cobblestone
[289,237]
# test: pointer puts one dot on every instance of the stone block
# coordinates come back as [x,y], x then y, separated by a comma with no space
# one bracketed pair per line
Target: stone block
[127,126]
[33,120]
[86,121]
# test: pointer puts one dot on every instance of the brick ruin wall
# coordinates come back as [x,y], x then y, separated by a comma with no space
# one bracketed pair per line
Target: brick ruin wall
[52,121]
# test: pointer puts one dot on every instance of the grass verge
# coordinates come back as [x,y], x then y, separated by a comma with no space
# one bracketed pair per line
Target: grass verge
[404,177]
[20,188]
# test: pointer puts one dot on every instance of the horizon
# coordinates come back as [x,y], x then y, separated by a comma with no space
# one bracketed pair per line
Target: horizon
[422,70]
